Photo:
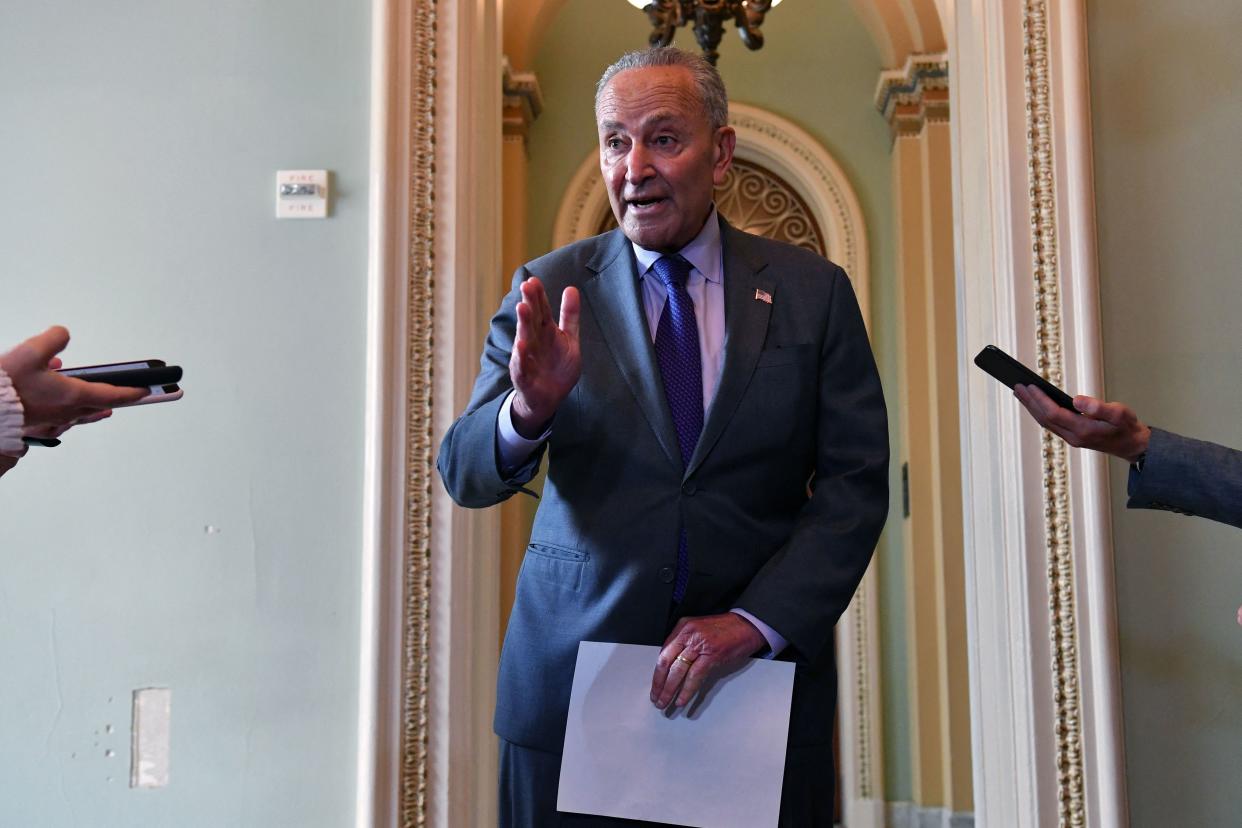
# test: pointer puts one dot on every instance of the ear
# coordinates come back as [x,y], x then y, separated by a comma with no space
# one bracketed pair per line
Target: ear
[725,141]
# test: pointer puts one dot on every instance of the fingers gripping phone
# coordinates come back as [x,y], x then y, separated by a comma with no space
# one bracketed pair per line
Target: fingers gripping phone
[1011,372]
[153,374]
[158,378]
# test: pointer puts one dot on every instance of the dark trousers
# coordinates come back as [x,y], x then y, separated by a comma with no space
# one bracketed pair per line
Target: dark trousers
[529,779]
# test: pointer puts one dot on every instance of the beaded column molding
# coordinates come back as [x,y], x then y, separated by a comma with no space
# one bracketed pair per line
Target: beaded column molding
[865,788]
[1066,683]
[416,566]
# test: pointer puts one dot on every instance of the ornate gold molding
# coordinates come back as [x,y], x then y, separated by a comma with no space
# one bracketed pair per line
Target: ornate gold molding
[760,130]
[1064,631]
[865,789]
[523,101]
[416,566]
[914,95]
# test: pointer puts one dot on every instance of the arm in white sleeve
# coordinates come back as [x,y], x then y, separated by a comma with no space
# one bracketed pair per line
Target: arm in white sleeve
[513,447]
[776,642]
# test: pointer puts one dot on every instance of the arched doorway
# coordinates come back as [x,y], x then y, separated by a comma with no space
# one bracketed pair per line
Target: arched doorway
[1042,651]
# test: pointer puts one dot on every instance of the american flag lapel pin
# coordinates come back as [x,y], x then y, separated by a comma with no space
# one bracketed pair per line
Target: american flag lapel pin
[763,296]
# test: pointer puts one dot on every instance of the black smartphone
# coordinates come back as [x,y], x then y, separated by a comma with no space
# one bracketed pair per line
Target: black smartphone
[1011,372]
[153,374]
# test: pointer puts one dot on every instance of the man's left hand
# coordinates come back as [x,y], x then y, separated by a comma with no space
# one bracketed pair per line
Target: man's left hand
[698,648]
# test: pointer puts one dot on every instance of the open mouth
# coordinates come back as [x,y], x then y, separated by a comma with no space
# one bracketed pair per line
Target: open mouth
[642,205]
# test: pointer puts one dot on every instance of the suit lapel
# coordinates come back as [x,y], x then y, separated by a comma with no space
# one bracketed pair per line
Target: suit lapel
[614,298]
[746,327]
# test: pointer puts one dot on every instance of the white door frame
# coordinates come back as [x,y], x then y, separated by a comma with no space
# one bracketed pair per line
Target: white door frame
[1045,699]
[430,578]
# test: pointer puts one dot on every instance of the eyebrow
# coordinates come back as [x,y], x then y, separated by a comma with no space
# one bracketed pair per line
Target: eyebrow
[658,119]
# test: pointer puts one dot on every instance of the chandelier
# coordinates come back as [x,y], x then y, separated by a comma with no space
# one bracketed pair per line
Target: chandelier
[708,18]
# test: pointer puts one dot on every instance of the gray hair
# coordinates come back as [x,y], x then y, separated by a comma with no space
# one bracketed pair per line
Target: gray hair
[706,79]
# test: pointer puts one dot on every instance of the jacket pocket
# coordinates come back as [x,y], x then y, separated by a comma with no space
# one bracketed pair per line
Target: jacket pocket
[784,355]
[554,564]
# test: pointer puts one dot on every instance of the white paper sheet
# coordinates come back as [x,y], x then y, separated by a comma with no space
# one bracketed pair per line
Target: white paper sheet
[715,764]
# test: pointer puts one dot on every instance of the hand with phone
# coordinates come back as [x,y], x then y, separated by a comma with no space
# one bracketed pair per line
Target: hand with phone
[1082,421]
[40,400]
[50,399]
[1110,427]
[159,378]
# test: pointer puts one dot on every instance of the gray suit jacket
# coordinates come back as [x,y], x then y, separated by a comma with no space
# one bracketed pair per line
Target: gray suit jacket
[1190,477]
[798,397]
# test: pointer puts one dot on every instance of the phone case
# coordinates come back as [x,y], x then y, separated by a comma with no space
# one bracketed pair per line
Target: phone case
[154,374]
[1011,372]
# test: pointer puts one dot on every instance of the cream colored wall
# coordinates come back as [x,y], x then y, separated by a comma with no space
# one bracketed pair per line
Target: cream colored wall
[939,719]
[1167,112]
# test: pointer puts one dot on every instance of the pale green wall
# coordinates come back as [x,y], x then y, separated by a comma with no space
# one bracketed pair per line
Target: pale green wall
[139,144]
[1167,113]
[818,69]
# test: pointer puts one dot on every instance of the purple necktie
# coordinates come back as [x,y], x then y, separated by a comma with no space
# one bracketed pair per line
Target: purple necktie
[677,349]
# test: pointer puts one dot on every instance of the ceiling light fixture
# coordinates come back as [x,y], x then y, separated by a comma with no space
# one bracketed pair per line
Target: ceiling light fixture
[708,18]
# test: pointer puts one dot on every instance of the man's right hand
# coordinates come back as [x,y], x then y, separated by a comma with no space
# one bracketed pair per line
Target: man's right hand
[53,401]
[546,361]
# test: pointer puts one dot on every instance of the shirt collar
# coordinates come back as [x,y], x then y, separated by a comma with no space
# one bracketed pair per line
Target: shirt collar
[703,252]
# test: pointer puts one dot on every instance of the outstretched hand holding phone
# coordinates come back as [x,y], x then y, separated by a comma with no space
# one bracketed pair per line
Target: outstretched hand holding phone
[1110,427]
[50,399]
[38,402]
[1168,471]
[1081,421]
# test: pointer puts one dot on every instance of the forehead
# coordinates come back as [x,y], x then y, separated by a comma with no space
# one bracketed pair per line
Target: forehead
[636,96]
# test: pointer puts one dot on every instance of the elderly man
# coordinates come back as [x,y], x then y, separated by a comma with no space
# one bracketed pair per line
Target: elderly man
[716,438]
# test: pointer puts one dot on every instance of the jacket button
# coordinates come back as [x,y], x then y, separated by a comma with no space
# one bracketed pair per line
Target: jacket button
[688,488]
[666,574]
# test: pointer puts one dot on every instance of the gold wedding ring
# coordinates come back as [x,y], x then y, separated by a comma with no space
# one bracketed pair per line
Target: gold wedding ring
[684,661]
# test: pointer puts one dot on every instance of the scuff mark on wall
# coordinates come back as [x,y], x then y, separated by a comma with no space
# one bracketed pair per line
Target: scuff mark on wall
[60,694]
[254,543]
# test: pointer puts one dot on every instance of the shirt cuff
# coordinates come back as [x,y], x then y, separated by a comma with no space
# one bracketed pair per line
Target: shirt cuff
[12,419]
[513,447]
[776,642]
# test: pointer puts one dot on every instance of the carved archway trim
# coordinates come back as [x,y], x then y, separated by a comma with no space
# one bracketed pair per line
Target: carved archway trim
[775,143]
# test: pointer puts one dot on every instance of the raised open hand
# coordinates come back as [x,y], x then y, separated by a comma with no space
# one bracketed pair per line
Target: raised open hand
[546,361]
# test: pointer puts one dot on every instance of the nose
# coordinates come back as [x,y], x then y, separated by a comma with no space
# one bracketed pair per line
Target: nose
[638,165]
